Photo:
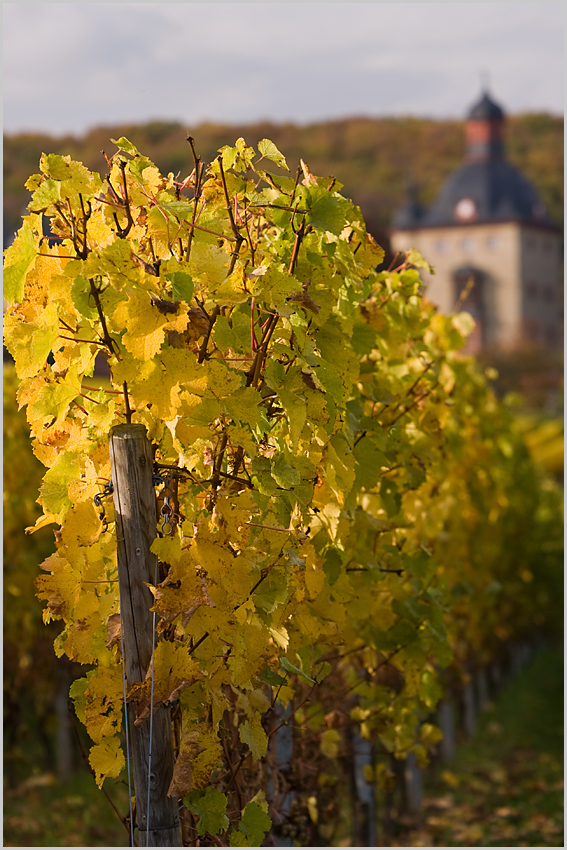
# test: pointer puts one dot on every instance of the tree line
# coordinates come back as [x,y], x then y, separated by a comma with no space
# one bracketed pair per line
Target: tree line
[375,158]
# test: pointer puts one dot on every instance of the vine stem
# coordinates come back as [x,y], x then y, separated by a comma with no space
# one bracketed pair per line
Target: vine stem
[218,463]
[129,410]
[254,375]
[237,234]
[212,320]
[302,703]
[108,341]
[123,231]
[198,176]
[265,573]
[295,253]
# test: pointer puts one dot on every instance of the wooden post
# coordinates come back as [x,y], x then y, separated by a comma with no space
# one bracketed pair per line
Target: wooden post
[364,806]
[281,751]
[469,710]
[482,688]
[446,722]
[414,783]
[135,513]
[64,741]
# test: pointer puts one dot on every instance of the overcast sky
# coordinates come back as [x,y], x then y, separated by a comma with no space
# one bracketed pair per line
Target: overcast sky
[72,66]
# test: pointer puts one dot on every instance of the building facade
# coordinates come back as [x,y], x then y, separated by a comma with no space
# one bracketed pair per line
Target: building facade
[494,251]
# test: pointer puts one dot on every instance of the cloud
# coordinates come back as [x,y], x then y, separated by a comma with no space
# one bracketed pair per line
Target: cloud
[69,67]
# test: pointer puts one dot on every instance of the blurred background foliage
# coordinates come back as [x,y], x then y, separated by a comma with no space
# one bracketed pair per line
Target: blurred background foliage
[375,158]
[30,666]
[44,771]
[505,788]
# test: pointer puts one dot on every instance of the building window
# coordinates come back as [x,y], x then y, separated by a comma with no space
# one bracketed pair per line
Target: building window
[442,246]
[532,329]
[492,243]
[531,290]
[467,244]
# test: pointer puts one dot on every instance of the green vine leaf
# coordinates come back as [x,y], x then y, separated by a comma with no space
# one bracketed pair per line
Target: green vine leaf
[210,807]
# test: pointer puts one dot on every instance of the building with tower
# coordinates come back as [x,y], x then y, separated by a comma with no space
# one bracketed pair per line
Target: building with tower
[488,226]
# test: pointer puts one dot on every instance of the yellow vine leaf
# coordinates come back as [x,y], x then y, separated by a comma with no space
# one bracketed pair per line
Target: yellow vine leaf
[61,588]
[102,417]
[153,384]
[208,262]
[314,580]
[331,481]
[168,549]
[82,524]
[183,592]
[114,262]
[275,285]
[330,740]
[229,578]
[174,670]
[101,234]
[243,405]
[82,641]
[207,760]
[143,322]
[104,697]
[48,410]
[28,343]
[249,652]
[222,380]
[107,759]
[231,516]
[20,257]
[233,290]
[251,732]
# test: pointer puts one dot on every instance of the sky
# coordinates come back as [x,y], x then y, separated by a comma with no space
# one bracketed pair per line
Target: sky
[68,67]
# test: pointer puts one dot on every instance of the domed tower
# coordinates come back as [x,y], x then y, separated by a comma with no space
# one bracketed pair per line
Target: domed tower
[488,224]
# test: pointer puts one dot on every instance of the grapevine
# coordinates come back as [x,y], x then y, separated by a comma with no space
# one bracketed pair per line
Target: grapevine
[342,485]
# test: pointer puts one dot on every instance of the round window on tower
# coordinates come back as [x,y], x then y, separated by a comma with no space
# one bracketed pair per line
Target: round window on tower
[465,209]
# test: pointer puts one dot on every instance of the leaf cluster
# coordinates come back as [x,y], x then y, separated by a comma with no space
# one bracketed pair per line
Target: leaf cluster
[349,495]
[375,157]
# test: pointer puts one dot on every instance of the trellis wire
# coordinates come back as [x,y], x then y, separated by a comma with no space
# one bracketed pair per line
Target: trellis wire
[126,725]
[151,717]
[166,503]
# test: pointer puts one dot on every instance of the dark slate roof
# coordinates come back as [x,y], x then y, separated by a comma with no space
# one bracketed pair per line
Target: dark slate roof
[485,110]
[499,190]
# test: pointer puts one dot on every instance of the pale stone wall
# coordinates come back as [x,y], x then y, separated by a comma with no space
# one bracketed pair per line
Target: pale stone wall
[513,257]
[541,286]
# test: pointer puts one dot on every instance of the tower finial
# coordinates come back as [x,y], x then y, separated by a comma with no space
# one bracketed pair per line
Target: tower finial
[485,80]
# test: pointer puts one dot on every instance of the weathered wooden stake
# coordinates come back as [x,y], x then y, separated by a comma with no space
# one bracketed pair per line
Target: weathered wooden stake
[281,751]
[135,512]
[469,710]
[362,792]
[414,783]
[446,722]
